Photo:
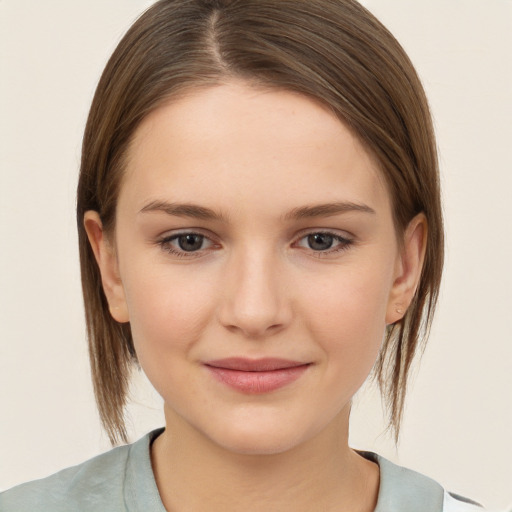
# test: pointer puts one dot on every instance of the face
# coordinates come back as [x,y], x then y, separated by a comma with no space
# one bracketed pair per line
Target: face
[257,263]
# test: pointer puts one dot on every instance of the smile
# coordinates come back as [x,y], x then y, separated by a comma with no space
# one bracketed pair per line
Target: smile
[256,376]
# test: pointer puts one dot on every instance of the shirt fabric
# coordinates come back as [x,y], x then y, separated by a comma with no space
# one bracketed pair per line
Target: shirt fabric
[122,480]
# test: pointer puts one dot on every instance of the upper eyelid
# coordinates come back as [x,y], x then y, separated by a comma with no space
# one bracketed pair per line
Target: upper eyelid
[211,236]
[344,240]
[345,235]
[168,235]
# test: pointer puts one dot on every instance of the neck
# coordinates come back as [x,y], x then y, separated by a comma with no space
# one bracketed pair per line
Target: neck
[323,473]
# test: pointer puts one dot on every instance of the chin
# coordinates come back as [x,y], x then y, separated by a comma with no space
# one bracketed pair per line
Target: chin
[258,444]
[269,437]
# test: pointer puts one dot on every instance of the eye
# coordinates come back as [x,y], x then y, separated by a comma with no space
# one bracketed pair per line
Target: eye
[182,243]
[190,242]
[324,242]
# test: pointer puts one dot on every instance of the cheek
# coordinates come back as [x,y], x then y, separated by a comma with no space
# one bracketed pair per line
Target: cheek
[354,301]
[346,312]
[168,310]
[168,315]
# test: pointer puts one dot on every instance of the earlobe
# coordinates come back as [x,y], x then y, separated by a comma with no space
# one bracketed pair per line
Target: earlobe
[408,269]
[107,262]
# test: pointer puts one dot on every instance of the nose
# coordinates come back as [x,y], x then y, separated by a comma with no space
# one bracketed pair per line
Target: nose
[254,297]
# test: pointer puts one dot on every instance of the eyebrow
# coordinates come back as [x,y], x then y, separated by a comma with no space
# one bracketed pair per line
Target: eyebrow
[303,212]
[326,210]
[183,210]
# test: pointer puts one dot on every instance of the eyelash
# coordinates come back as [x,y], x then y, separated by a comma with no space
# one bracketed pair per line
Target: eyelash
[165,244]
[343,243]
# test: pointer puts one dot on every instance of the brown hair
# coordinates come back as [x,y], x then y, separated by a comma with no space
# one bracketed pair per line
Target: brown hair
[331,50]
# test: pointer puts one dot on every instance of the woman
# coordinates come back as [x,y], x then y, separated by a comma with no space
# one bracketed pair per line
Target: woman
[260,226]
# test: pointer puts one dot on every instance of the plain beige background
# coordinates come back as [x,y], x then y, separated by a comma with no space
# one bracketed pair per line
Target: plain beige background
[458,423]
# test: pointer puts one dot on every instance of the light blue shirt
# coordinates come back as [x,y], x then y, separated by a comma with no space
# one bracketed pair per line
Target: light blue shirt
[122,480]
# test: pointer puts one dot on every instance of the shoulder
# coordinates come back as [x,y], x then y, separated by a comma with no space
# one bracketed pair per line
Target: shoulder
[402,489]
[74,488]
[97,484]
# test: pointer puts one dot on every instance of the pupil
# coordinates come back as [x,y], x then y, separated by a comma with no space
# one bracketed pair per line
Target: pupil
[190,242]
[320,241]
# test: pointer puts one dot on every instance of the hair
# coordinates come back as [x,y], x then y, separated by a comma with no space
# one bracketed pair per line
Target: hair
[334,51]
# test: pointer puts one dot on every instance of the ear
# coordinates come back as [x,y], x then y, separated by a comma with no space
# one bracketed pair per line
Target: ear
[408,268]
[107,262]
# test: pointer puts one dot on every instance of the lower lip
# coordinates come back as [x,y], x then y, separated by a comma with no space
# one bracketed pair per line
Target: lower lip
[258,382]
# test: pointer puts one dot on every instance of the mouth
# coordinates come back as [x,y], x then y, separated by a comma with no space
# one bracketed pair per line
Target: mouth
[256,376]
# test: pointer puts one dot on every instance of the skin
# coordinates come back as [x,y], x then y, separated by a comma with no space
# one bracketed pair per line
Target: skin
[256,288]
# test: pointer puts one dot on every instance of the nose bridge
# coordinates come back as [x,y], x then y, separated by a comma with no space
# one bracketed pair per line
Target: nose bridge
[254,297]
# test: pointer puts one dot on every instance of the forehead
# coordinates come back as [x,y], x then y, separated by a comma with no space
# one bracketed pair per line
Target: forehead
[227,142]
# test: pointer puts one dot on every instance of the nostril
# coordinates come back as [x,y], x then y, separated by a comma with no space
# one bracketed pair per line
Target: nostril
[254,331]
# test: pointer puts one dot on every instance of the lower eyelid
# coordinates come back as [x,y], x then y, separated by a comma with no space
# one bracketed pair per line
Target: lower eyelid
[344,245]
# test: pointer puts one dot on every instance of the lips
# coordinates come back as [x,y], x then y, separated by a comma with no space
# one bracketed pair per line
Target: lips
[256,376]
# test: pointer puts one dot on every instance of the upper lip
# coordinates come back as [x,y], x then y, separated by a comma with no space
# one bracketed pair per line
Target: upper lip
[265,364]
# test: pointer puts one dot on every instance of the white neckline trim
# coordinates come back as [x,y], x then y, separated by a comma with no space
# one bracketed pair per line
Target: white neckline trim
[450,504]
